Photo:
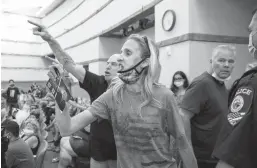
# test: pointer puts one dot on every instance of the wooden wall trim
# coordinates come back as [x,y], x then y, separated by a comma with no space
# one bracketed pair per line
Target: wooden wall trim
[204,38]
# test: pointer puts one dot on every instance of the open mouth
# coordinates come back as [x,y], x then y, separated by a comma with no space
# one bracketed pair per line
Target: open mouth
[107,73]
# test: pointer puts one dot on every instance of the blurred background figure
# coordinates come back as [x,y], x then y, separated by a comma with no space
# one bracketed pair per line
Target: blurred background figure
[179,85]
[12,96]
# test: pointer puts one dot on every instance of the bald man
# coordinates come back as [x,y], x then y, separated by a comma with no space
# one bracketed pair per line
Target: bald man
[205,104]
[102,145]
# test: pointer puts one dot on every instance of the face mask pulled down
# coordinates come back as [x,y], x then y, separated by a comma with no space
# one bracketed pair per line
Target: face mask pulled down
[131,75]
[220,79]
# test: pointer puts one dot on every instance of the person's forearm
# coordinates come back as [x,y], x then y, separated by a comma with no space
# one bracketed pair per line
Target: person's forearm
[63,120]
[187,123]
[187,126]
[78,105]
[67,62]
[68,125]
[183,138]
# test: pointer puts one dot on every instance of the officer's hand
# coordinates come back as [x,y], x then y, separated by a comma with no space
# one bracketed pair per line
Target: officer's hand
[41,31]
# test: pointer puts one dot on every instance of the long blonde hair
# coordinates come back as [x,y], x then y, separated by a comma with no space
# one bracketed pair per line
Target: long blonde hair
[150,75]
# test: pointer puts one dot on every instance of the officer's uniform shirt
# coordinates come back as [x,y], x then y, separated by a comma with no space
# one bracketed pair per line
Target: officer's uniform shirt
[237,142]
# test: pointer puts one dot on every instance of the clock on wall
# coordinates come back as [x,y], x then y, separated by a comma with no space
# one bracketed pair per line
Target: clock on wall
[168,20]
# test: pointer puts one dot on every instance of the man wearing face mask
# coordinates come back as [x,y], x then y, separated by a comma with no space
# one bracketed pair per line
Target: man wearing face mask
[205,104]
[12,93]
[236,146]
[18,154]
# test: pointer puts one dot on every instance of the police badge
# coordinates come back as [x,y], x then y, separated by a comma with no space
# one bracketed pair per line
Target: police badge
[240,105]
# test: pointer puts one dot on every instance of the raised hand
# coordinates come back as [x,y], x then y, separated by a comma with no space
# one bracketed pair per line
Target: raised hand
[55,71]
[41,31]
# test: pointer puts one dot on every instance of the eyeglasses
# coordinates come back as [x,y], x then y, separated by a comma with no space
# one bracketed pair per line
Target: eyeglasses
[147,46]
[178,78]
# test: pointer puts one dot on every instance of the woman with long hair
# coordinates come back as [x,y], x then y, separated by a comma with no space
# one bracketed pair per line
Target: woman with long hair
[179,85]
[147,128]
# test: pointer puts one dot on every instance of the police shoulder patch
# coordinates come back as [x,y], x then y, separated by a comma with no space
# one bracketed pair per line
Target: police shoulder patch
[240,105]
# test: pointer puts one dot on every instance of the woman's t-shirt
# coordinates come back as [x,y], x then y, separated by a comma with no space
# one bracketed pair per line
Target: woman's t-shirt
[143,139]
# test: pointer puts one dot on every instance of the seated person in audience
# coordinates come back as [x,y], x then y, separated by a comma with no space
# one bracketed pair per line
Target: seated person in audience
[14,112]
[18,154]
[29,100]
[3,102]
[3,114]
[37,114]
[21,100]
[21,116]
[76,145]
[24,113]
[30,134]
[48,106]
[3,109]
[53,128]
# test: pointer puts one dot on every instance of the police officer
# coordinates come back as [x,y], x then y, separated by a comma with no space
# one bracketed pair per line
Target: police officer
[237,143]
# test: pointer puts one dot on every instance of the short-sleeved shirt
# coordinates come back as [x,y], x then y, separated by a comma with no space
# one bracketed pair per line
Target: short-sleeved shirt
[102,144]
[237,142]
[142,136]
[12,95]
[207,99]
[19,155]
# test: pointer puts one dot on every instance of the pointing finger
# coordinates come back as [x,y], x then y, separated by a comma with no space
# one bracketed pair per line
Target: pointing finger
[51,59]
[38,33]
[36,24]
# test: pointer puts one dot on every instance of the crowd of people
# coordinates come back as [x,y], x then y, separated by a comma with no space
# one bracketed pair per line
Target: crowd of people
[32,113]
[137,122]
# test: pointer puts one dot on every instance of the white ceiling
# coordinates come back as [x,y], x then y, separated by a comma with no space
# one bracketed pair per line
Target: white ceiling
[24,7]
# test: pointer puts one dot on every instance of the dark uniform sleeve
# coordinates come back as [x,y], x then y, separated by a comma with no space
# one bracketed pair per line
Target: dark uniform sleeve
[195,97]
[95,85]
[237,142]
